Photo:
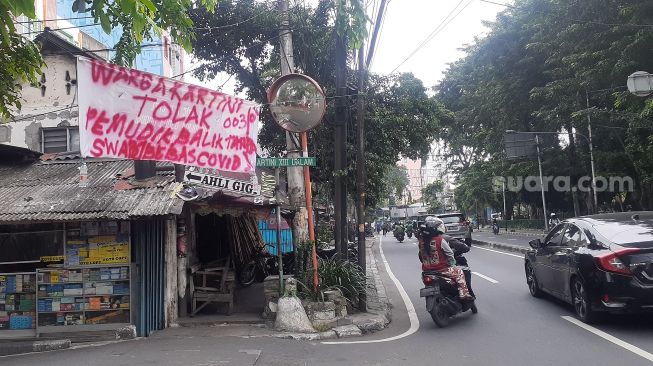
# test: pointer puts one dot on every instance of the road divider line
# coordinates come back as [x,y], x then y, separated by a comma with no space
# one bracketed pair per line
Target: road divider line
[610,338]
[500,252]
[410,309]
[490,279]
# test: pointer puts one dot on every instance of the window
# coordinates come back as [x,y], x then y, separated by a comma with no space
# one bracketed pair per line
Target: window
[555,236]
[59,139]
[451,219]
[574,237]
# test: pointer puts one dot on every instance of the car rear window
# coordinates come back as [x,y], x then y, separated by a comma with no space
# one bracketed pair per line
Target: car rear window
[636,235]
[450,219]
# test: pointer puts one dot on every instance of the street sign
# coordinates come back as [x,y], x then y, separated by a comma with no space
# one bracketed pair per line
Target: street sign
[284,162]
[519,145]
[247,188]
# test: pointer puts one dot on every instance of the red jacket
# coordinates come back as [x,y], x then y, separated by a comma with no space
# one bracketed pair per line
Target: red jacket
[436,259]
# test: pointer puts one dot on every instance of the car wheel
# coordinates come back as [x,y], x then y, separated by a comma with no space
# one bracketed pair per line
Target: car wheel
[582,305]
[531,280]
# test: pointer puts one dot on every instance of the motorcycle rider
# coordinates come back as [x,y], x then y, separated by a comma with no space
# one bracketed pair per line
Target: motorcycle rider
[554,220]
[436,255]
[409,227]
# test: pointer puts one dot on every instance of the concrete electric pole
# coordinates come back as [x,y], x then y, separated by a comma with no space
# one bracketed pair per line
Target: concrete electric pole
[295,175]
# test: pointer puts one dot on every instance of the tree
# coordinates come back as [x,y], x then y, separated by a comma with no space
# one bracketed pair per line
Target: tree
[139,20]
[401,119]
[20,58]
[395,181]
[531,73]
[430,194]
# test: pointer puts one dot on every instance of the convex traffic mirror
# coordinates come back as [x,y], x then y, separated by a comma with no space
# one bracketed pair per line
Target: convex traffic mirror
[297,102]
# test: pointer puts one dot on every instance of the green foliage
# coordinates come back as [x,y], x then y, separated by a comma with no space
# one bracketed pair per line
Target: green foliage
[20,58]
[430,194]
[344,276]
[531,73]
[395,181]
[351,22]
[140,20]
[400,119]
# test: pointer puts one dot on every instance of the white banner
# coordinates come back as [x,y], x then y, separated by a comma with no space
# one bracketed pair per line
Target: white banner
[130,114]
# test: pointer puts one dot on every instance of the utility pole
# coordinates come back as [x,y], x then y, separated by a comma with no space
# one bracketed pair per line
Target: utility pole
[361,171]
[539,163]
[589,129]
[360,164]
[296,189]
[340,138]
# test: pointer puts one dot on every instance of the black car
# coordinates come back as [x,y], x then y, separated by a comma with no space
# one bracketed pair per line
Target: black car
[598,263]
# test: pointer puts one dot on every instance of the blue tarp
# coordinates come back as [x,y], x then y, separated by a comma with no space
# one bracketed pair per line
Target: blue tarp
[270,238]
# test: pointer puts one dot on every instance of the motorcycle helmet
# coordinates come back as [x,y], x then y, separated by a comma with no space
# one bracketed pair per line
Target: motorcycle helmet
[434,225]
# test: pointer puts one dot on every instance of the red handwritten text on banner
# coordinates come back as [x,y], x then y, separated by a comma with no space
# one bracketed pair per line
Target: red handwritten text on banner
[130,114]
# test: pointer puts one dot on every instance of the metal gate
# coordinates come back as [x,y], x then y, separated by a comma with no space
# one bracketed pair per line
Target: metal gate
[148,244]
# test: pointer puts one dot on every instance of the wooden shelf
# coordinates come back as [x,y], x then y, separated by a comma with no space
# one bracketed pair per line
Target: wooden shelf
[96,310]
[61,311]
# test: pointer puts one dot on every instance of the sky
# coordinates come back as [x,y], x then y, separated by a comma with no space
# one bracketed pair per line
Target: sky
[407,24]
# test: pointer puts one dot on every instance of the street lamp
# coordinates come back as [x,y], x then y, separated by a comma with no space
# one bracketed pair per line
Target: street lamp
[640,83]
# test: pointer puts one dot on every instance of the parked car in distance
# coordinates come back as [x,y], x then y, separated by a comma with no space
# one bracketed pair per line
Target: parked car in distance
[456,224]
[598,263]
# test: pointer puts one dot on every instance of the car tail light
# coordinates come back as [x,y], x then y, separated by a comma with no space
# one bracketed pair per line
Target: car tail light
[611,261]
[427,280]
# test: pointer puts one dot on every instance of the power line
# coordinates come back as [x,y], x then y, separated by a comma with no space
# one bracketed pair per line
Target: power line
[51,20]
[435,31]
[58,29]
[82,52]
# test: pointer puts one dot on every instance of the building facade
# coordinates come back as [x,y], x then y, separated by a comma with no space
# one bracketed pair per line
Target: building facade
[47,119]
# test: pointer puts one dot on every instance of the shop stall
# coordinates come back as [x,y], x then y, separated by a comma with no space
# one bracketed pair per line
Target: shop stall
[75,277]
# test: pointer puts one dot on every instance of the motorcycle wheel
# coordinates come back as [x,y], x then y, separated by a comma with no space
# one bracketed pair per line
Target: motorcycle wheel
[247,274]
[439,314]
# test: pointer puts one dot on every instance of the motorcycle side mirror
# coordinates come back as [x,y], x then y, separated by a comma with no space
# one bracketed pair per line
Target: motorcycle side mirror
[536,243]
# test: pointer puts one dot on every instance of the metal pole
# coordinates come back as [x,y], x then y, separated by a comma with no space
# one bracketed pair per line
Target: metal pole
[504,201]
[589,128]
[539,163]
[309,209]
[279,249]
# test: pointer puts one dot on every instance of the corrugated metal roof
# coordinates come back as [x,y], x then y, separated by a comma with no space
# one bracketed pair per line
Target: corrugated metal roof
[46,191]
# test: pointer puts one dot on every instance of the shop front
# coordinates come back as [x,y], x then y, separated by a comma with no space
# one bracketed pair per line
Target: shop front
[77,259]
[230,235]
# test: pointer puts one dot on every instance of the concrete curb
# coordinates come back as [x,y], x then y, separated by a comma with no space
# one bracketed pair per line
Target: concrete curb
[501,246]
[536,234]
[18,347]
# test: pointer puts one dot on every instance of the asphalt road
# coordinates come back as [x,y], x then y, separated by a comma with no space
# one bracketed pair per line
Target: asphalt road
[511,328]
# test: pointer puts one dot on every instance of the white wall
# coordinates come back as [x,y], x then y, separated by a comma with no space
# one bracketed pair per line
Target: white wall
[42,111]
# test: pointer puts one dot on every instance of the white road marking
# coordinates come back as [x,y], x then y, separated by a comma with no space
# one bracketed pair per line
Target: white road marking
[512,239]
[634,349]
[412,314]
[486,277]
[497,251]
